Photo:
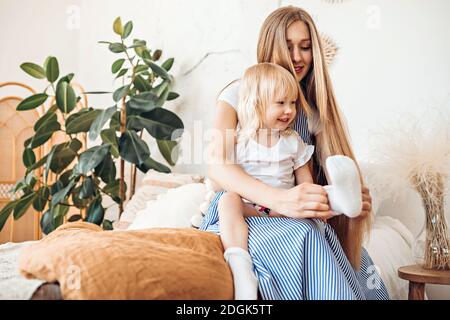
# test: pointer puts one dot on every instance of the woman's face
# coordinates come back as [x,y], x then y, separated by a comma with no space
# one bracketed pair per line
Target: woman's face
[299,44]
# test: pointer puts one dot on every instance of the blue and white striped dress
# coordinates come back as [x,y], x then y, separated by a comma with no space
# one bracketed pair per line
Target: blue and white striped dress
[302,259]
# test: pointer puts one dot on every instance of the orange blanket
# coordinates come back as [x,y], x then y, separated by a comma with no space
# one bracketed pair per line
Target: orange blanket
[165,263]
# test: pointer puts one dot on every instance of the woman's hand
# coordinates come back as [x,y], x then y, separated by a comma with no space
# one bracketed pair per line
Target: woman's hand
[366,203]
[306,200]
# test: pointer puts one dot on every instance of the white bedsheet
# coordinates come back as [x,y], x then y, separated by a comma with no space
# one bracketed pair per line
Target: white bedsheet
[13,286]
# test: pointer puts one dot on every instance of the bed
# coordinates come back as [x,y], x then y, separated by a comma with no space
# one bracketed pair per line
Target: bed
[387,232]
[161,201]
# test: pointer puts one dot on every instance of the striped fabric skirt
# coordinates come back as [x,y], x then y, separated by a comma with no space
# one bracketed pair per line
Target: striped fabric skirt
[302,259]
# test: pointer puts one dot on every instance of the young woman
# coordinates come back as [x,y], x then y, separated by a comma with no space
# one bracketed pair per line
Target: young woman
[295,257]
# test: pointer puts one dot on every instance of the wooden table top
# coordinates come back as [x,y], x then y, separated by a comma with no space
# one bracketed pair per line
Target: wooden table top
[418,274]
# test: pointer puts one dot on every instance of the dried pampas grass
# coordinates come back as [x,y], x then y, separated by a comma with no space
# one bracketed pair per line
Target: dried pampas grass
[330,49]
[414,151]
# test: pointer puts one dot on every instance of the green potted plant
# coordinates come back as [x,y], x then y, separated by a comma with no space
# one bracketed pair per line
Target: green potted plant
[84,176]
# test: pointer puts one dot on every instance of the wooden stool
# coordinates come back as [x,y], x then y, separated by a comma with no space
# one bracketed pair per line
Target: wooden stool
[418,277]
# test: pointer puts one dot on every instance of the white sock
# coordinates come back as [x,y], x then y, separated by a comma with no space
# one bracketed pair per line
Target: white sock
[344,193]
[244,279]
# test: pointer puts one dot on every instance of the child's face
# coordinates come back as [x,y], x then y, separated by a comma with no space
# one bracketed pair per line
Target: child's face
[280,113]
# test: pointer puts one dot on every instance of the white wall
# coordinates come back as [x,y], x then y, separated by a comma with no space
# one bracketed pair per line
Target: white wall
[393,54]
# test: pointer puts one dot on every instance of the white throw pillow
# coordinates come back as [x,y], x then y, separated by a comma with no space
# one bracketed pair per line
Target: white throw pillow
[173,209]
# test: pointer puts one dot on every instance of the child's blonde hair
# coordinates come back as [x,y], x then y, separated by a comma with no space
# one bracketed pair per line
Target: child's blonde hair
[262,84]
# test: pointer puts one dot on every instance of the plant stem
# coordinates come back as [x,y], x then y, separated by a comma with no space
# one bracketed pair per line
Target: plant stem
[133,174]
[123,121]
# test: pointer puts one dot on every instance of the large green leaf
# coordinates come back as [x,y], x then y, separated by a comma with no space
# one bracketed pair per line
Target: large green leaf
[172,96]
[141,84]
[121,73]
[137,43]
[30,180]
[33,70]
[107,225]
[115,121]
[168,150]
[106,170]
[62,194]
[60,210]
[44,133]
[38,164]
[117,65]
[127,29]
[100,121]
[68,176]
[64,154]
[143,102]
[91,158]
[87,188]
[142,51]
[157,69]
[145,54]
[66,78]
[20,185]
[27,143]
[132,148]
[66,99]
[49,116]
[109,137]
[47,163]
[41,198]
[81,121]
[113,189]
[52,69]
[23,204]
[167,65]
[28,157]
[49,223]
[117,47]
[152,164]
[77,201]
[95,212]
[117,26]
[120,93]
[32,102]
[160,123]
[140,69]
[6,212]
[56,187]
[163,97]
[160,88]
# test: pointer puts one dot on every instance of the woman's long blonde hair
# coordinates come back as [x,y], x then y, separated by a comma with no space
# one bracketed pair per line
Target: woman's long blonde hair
[262,84]
[332,139]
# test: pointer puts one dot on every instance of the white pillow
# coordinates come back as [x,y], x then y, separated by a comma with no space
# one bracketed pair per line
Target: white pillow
[173,209]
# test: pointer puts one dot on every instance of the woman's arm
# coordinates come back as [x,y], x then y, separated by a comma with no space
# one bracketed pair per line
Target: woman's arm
[304,201]
[303,174]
